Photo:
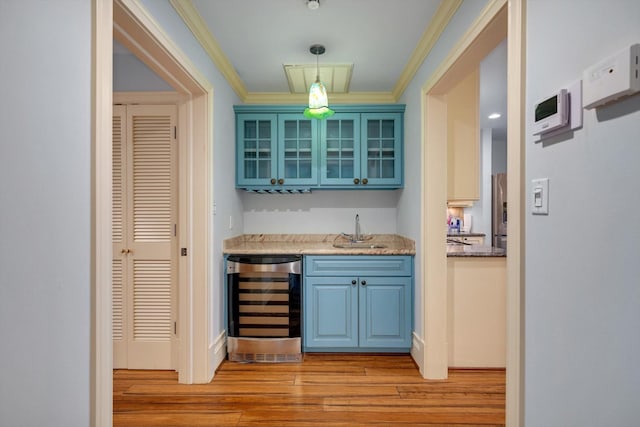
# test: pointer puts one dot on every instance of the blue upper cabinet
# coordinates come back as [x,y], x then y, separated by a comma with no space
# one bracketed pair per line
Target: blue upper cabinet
[298,154]
[359,147]
[381,150]
[340,150]
[274,151]
[257,162]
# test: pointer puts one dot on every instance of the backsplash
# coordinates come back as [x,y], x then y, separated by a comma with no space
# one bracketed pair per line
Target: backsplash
[454,214]
[320,212]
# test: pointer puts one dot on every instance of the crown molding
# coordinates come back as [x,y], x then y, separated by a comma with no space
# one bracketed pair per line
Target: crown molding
[334,98]
[431,34]
[362,98]
[199,28]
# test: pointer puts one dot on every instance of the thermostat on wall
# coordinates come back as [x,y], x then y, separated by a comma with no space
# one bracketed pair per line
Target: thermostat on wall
[551,113]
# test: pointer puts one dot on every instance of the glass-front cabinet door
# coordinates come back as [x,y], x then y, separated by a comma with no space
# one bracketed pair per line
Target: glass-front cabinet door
[256,149]
[339,148]
[298,156]
[381,149]
[358,150]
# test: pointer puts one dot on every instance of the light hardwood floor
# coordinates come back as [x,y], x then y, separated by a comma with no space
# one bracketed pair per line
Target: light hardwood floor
[326,390]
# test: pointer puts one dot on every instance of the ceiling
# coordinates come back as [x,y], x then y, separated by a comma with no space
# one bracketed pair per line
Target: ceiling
[377,36]
[384,40]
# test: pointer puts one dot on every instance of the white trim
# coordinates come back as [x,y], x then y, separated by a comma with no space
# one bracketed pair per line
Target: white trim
[417,351]
[154,47]
[434,258]
[468,50]
[516,96]
[483,33]
[182,117]
[217,352]
[185,367]
[334,98]
[429,38]
[102,347]
[198,27]
[136,29]
[148,98]
[199,184]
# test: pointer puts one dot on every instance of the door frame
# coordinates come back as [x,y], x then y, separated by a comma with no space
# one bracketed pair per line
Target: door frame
[128,21]
[499,19]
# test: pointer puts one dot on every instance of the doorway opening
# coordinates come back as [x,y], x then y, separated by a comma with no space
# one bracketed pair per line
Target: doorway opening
[144,224]
[500,19]
[129,23]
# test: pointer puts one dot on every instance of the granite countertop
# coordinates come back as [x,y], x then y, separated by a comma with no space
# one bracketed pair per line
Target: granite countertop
[454,250]
[316,244]
[464,234]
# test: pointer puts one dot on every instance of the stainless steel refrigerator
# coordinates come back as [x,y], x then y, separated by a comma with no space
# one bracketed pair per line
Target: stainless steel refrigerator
[499,210]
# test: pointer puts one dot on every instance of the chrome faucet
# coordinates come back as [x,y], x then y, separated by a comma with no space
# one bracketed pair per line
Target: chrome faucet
[357,236]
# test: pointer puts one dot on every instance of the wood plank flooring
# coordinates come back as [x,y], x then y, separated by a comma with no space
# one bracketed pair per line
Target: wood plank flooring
[329,390]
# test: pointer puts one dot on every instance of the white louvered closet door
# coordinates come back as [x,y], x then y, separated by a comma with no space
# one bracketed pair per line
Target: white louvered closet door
[119,259]
[149,248]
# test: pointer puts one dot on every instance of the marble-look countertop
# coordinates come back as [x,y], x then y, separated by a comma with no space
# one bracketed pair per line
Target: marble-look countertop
[454,250]
[316,244]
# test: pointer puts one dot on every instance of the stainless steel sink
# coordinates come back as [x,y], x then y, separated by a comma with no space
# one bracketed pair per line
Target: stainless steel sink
[359,245]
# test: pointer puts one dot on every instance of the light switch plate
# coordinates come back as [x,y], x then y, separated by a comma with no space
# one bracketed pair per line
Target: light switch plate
[540,196]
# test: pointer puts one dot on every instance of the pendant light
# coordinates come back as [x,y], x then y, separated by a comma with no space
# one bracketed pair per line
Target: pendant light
[318,102]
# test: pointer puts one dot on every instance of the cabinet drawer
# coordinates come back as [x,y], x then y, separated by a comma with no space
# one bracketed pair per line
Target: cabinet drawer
[358,265]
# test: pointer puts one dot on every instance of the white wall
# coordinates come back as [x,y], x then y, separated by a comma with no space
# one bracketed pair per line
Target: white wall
[493,144]
[45,213]
[493,160]
[132,75]
[481,209]
[329,212]
[410,198]
[582,308]
[225,196]
[498,155]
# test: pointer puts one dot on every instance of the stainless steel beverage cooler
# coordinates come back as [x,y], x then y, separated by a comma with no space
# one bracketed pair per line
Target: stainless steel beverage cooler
[264,308]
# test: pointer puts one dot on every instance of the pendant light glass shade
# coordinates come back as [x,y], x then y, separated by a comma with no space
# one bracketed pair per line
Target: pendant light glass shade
[318,102]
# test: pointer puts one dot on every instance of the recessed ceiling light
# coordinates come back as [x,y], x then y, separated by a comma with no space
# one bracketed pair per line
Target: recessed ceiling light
[495,115]
[313,4]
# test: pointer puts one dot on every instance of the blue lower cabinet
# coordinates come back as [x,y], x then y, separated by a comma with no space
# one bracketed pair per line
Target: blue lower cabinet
[331,307]
[358,312]
[385,312]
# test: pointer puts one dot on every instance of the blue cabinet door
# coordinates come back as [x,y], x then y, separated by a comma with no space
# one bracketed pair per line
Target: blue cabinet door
[298,154]
[256,154]
[331,312]
[385,312]
[381,150]
[340,150]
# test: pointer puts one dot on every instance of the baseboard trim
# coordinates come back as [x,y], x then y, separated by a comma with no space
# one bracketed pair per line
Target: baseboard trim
[217,353]
[417,352]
